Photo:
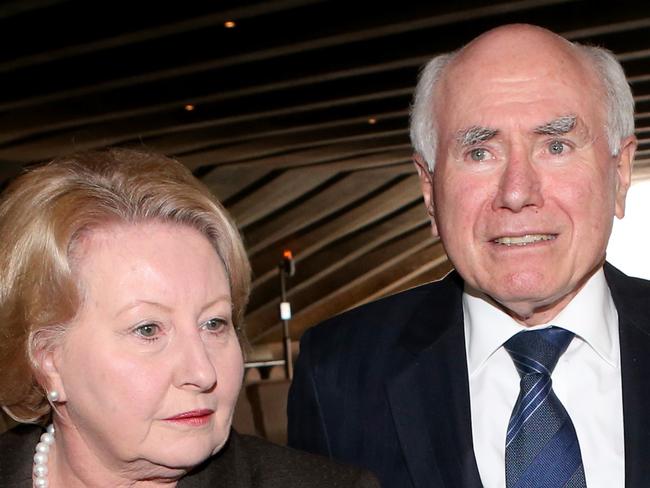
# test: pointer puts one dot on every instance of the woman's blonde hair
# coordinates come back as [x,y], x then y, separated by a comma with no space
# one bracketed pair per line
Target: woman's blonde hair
[42,215]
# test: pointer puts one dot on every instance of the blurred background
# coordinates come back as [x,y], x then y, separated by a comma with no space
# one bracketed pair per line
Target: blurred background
[295,114]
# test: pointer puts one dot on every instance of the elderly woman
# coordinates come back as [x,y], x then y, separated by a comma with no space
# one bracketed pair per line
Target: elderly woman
[122,291]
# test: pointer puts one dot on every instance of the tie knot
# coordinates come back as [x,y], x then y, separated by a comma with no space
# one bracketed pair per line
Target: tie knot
[538,351]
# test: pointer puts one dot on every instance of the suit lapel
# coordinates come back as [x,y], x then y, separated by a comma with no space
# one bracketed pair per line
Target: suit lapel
[429,394]
[632,299]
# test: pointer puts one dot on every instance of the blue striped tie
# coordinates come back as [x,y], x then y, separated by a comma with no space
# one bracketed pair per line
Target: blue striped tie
[542,449]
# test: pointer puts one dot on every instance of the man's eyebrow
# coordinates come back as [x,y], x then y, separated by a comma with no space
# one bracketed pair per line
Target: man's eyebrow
[475,135]
[557,127]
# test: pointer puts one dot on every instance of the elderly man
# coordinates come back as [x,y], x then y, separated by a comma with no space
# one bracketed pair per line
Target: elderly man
[524,146]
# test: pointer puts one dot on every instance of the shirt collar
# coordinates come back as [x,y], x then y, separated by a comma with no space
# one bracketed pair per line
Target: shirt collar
[591,316]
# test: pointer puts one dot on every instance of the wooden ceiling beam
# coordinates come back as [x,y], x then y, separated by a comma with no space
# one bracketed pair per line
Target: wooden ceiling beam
[280,191]
[344,192]
[230,180]
[373,263]
[338,255]
[389,29]
[138,131]
[16,7]
[425,272]
[145,35]
[326,155]
[355,291]
[243,153]
[58,116]
[188,143]
[605,29]
[135,131]
[399,195]
[227,181]
[641,169]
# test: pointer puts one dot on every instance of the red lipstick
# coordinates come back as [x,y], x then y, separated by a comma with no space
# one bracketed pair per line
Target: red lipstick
[194,418]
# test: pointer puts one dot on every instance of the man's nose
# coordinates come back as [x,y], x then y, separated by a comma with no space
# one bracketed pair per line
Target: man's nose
[194,367]
[519,184]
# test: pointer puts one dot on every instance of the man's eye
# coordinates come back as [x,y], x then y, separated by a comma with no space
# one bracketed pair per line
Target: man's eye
[478,154]
[147,331]
[556,147]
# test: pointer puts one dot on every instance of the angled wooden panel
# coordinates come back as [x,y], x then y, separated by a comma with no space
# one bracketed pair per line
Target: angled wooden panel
[207,138]
[281,147]
[320,155]
[343,38]
[334,197]
[141,35]
[375,159]
[424,274]
[356,290]
[370,264]
[403,193]
[230,180]
[278,192]
[338,255]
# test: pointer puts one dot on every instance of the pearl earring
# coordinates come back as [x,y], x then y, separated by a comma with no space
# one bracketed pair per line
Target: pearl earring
[53,396]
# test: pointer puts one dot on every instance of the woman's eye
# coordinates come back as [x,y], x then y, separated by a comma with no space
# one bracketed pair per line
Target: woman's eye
[147,331]
[214,325]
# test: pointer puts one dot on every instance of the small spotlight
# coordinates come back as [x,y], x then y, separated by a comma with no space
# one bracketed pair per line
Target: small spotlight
[189,107]
[372,121]
[229,24]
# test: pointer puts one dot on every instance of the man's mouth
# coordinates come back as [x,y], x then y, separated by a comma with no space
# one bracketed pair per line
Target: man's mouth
[524,240]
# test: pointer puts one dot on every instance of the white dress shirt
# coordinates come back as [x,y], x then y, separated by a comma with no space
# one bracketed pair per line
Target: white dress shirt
[587,380]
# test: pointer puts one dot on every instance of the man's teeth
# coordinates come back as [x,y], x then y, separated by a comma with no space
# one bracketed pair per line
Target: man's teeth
[524,240]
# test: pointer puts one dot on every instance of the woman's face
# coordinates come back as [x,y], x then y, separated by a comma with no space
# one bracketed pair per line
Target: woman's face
[150,369]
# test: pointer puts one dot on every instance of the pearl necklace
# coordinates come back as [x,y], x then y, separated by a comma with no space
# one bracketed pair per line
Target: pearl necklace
[40,458]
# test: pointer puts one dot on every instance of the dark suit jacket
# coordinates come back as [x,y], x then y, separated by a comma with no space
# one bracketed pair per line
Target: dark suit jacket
[385,386]
[245,462]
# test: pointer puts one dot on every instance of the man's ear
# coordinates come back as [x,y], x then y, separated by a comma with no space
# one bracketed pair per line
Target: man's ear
[624,162]
[426,186]
[46,356]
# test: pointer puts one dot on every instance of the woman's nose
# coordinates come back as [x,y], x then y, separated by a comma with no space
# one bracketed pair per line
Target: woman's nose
[194,367]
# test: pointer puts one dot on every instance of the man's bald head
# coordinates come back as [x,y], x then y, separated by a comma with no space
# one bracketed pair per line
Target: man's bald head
[512,52]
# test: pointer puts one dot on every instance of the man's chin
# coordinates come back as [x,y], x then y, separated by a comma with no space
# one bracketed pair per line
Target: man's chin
[533,310]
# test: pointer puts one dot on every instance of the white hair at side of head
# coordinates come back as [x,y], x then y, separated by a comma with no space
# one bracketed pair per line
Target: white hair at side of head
[424,137]
[618,95]
[620,102]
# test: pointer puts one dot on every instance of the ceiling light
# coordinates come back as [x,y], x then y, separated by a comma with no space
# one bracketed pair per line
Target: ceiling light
[189,107]
[229,24]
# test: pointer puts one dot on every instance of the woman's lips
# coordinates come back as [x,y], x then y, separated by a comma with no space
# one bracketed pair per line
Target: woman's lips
[192,418]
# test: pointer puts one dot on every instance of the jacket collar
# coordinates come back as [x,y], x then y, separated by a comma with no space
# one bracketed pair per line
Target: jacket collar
[429,394]
[632,299]
[433,418]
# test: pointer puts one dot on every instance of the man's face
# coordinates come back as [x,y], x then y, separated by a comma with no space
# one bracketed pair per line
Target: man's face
[525,187]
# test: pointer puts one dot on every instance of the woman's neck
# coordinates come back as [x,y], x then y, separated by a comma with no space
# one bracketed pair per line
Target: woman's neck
[74,464]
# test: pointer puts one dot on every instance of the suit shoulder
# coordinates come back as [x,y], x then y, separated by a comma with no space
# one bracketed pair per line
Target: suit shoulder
[289,467]
[630,296]
[618,279]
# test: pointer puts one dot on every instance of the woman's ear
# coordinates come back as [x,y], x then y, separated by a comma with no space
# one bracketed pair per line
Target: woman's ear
[46,353]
